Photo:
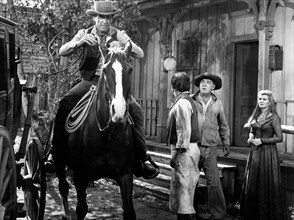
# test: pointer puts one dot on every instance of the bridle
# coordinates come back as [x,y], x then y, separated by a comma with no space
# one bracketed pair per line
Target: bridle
[106,94]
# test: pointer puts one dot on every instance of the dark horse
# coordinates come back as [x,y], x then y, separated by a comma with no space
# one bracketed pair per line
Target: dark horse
[102,145]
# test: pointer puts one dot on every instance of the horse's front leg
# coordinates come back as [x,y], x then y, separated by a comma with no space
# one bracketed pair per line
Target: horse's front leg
[82,207]
[126,189]
[63,186]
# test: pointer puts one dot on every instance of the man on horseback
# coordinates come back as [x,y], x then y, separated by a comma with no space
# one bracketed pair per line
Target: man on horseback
[102,35]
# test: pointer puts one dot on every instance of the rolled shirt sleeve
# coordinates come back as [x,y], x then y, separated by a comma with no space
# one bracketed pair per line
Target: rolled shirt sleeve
[70,47]
[123,38]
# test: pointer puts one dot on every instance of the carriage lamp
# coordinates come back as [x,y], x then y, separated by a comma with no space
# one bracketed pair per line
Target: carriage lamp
[30,89]
[22,82]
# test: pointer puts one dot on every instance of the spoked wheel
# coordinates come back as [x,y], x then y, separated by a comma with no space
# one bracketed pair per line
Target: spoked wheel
[35,180]
[7,176]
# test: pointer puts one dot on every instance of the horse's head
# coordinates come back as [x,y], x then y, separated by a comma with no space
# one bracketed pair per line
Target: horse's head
[117,76]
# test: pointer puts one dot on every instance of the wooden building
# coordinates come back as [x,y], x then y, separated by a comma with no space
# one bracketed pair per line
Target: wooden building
[248,43]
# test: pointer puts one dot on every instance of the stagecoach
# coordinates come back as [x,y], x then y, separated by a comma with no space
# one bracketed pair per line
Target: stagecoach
[21,168]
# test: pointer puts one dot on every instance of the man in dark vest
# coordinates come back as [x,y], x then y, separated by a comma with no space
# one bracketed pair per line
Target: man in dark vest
[183,138]
[104,35]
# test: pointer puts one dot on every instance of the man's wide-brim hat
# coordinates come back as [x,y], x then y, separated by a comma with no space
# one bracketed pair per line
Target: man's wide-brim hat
[214,78]
[103,8]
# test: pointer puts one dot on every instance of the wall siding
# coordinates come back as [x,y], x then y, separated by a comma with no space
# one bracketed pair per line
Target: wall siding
[282,81]
[211,27]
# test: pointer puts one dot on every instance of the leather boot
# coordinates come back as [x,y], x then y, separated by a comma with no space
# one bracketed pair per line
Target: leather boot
[150,172]
[141,168]
[180,216]
[60,135]
[189,217]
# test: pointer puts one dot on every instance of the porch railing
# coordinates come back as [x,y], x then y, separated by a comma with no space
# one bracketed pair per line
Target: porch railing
[151,108]
[285,108]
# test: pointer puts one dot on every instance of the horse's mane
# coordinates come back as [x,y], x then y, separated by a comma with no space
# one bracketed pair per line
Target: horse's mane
[111,51]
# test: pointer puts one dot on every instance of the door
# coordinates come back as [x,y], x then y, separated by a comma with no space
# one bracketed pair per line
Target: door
[246,79]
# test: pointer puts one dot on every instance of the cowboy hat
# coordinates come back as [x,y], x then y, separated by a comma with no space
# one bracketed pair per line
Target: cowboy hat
[103,8]
[214,78]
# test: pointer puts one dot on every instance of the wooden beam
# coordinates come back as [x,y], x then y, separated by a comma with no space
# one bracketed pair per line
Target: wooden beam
[149,8]
[154,4]
[263,52]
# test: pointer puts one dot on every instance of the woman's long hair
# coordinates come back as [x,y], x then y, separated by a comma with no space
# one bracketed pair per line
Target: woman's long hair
[272,107]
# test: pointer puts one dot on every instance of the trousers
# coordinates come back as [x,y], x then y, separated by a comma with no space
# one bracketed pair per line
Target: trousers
[184,179]
[216,199]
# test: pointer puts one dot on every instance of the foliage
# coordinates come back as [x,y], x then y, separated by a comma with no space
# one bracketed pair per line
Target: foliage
[291,209]
[42,126]
[50,24]
[125,20]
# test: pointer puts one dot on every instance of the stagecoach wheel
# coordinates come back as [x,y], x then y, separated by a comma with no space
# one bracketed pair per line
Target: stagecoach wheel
[7,176]
[35,180]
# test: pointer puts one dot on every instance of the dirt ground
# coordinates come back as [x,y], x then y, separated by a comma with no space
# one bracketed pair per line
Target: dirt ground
[104,202]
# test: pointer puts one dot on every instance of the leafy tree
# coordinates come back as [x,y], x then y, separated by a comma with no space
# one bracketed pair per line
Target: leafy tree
[50,24]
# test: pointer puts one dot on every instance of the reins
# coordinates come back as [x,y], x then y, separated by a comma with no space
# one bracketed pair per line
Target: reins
[96,107]
[81,111]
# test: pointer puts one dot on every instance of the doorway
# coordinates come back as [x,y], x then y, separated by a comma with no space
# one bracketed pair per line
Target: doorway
[246,82]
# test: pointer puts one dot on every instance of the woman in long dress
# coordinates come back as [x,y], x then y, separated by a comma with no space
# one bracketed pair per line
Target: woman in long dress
[263,195]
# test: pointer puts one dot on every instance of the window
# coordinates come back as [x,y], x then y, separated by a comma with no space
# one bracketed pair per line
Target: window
[187,54]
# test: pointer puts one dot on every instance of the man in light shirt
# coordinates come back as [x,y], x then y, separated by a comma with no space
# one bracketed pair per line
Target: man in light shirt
[212,123]
[182,137]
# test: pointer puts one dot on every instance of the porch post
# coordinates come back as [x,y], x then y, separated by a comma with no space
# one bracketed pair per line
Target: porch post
[264,13]
[263,52]
[163,108]
[165,25]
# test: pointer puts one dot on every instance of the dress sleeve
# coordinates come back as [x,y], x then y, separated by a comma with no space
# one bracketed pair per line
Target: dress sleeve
[276,123]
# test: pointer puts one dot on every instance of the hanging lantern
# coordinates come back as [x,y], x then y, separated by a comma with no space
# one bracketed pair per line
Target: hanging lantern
[170,62]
